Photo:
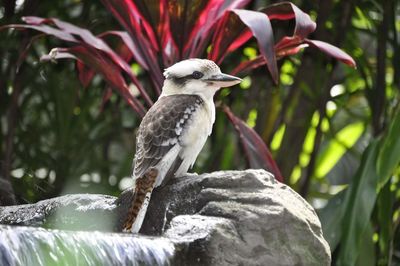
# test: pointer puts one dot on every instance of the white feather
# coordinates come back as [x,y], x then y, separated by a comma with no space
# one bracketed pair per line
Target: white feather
[165,164]
[195,136]
[184,68]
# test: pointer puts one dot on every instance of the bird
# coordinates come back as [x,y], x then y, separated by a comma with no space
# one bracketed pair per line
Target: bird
[174,130]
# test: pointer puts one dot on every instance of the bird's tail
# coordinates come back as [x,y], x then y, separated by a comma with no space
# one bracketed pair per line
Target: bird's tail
[141,198]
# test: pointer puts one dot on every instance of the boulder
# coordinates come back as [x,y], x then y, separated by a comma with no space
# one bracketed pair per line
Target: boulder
[75,211]
[250,219]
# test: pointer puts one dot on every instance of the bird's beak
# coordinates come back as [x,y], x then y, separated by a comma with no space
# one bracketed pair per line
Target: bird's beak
[224,80]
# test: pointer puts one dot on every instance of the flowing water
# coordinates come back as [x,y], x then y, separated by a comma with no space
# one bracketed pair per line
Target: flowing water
[33,246]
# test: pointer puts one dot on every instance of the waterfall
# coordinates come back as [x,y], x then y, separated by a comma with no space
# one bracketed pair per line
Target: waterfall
[20,245]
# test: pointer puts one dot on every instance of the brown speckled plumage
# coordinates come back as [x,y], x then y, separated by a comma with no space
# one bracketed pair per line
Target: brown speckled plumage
[162,128]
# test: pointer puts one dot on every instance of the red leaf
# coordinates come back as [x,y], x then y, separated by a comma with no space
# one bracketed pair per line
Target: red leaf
[291,50]
[134,50]
[45,29]
[228,29]
[287,43]
[249,65]
[67,31]
[98,62]
[231,33]
[243,38]
[208,18]
[255,149]
[85,73]
[261,28]
[130,17]
[304,26]
[141,33]
[183,15]
[103,65]
[285,10]
[155,12]
[126,39]
[125,50]
[332,51]
[106,96]
[151,14]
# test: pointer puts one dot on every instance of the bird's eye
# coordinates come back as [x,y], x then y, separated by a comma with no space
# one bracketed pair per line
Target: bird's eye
[197,75]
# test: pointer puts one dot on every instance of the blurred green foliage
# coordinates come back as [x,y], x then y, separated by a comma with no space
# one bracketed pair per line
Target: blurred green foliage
[334,131]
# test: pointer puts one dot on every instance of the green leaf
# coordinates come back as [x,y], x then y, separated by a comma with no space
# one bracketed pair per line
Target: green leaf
[389,156]
[367,249]
[344,140]
[385,204]
[330,217]
[359,203]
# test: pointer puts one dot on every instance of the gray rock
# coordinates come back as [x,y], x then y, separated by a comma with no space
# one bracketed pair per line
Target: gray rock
[222,218]
[249,219]
[76,211]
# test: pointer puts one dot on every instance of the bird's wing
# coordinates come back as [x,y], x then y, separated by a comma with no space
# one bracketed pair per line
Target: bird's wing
[161,129]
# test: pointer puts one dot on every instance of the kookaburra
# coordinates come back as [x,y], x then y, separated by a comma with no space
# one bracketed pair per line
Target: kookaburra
[175,129]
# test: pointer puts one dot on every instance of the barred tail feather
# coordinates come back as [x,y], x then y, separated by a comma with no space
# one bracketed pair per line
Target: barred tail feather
[141,198]
[137,224]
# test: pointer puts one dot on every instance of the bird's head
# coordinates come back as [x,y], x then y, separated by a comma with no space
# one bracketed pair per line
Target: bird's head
[196,76]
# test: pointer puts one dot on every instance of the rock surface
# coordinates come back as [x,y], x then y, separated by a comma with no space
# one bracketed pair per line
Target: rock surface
[222,218]
[77,211]
[249,217]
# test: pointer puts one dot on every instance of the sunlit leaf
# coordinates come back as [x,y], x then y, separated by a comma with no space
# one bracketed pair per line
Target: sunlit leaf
[344,140]
[277,139]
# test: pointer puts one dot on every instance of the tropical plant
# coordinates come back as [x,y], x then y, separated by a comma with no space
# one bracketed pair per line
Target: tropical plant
[159,33]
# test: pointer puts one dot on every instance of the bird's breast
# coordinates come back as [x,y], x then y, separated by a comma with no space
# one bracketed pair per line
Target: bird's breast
[199,127]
